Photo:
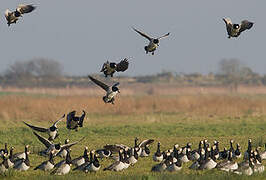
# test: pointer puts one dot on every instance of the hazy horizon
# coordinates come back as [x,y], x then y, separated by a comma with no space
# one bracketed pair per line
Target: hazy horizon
[82,35]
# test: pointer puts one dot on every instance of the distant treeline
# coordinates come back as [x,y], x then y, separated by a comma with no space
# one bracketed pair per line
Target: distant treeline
[49,73]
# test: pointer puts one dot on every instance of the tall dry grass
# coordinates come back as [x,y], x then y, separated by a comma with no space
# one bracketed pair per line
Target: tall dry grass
[45,108]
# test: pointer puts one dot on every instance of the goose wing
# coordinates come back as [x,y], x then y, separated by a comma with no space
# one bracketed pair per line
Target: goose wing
[22,8]
[45,141]
[115,147]
[245,25]
[7,14]
[142,34]
[122,65]
[55,123]
[228,24]
[146,142]
[65,146]
[36,128]
[99,83]
[164,36]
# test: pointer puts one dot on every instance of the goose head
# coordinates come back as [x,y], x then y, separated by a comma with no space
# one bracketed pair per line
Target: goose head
[156,41]
[115,89]
[236,26]
[66,141]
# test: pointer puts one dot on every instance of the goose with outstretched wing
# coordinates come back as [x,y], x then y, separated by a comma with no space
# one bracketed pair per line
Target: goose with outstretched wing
[109,68]
[12,17]
[234,30]
[52,131]
[154,42]
[111,91]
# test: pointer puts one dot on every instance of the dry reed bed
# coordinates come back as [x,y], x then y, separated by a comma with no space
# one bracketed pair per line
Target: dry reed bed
[39,108]
[138,89]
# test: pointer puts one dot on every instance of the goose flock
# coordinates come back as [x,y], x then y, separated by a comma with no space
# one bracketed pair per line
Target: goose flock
[205,157]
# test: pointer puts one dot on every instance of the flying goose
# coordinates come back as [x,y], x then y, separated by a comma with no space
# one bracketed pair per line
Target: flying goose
[12,17]
[23,164]
[82,159]
[64,168]
[154,42]
[234,30]
[158,156]
[111,91]
[54,148]
[52,131]
[46,165]
[74,122]
[109,68]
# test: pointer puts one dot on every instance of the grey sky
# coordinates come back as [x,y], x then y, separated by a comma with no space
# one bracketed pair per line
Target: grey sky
[83,34]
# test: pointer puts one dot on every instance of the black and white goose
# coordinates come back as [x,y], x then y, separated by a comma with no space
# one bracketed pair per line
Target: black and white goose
[237,153]
[4,151]
[109,68]
[46,165]
[73,121]
[154,42]
[117,165]
[133,156]
[52,131]
[23,164]
[82,159]
[228,165]
[4,165]
[10,160]
[111,91]
[18,157]
[209,163]
[63,152]
[88,161]
[103,153]
[234,30]
[145,151]
[12,17]
[158,156]
[64,168]
[93,166]
[54,148]
[258,167]
[248,151]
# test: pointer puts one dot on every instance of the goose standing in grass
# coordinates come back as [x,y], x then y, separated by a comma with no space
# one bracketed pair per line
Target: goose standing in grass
[258,167]
[73,121]
[88,161]
[158,156]
[52,131]
[110,68]
[117,165]
[63,152]
[4,165]
[195,154]
[133,156]
[111,91]
[196,164]
[248,151]
[162,165]
[10,160]
[82,159]
[93,166]
[54,148]
[263,153]
[145,151]
[23,164]
[245,167]
[4,151]
[209,163]
[64,168]
[46,165]
[237,153]
[234,30]
[153,42]
[12,17]
[228,165]
[18,157]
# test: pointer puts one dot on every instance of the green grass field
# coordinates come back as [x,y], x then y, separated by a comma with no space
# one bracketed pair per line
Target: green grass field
[167,127]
